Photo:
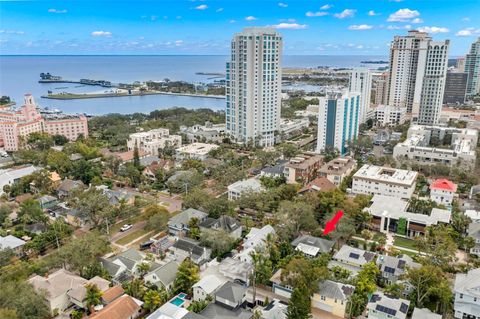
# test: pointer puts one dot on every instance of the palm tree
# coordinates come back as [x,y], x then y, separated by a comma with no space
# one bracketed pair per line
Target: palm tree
[143,268]
[92,297]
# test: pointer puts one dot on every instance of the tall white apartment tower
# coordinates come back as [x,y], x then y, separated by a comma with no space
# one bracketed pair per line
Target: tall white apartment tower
[338,120]
[472,68]
[361,82]
[253,88]
[418,69]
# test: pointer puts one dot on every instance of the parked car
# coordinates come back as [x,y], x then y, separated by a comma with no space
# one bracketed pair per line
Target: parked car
[146,245]
[126,227]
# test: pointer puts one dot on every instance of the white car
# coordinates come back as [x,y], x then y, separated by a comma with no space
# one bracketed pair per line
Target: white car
[126,227]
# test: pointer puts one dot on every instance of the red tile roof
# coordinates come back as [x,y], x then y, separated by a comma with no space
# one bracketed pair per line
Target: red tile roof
[122,308]
[444,184]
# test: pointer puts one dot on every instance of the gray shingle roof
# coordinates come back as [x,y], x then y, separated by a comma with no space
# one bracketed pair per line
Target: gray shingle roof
[322,244]
[214,311]
[190,246]
[184,217]
[166,274]
[232,292]
[335,290]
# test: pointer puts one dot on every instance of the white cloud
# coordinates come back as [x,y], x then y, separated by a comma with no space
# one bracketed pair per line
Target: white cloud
[283,5]
[201,7]
[417,20]
[326,7]
[466,19]
[57,11]
[101,34]
[251,18]
[232,21]
[396,0]
[360,27]
[178,42]
[372,13]
[467,32]
[316,14]
[359,46]
[403,15]
[434,30]
[12,32]
[291,26]
[347,13]
[399,27]
[219,10]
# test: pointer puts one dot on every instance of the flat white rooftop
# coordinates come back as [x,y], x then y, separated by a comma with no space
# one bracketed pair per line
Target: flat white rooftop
[197,148]
[386,174]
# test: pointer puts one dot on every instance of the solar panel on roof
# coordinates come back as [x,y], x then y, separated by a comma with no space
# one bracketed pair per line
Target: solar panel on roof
[375,298]
[354,255]
[386,310]
[401,264]
[390,270]
[404,307]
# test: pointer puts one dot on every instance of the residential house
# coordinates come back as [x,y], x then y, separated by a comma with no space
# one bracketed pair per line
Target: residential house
[237,189]
[312,246]
[392,267]
[150,171]
[337,169]
[36,228]
[47,201]
[279,287]
[178,225]
[442,191]
[319,184]
[67,186]
[169,311]
[13,175]
[58,286]
[467,295]
[474,232]
[112,293]
[390,214]
[163,276]
[115,197]
[123,267]
[230,300]
[351,259]
[13,243]
[275,171]
[226,223]
[206,287]
[424,313]
[332,297]
[276,309]
[234,270]
[77,294]
[255,239]
[382,306]
[303,168]
[189,248]
[125,307]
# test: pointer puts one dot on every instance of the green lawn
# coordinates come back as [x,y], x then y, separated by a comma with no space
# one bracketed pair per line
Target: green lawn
[131,220]
[404,242]
[132,236]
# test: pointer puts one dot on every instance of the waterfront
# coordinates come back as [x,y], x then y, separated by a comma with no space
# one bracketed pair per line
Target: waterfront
[20,74]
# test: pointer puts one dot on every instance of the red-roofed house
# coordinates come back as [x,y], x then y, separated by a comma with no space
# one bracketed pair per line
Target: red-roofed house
[442,191]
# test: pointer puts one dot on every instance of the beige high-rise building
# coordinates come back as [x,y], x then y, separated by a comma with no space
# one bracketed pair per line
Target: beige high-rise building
[381,89]
[253,89]
[418,68]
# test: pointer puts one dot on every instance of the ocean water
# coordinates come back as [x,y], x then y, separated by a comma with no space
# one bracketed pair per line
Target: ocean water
[20,75]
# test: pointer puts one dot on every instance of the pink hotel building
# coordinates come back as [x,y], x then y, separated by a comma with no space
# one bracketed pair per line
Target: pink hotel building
[15,124]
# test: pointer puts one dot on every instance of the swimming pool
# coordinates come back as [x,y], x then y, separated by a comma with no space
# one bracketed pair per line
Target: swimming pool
[177,301]
[182,295]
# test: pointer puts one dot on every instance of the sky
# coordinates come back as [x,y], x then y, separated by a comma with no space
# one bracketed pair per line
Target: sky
[195,27]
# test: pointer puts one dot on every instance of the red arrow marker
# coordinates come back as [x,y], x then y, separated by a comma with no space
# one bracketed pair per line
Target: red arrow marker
[331,224]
